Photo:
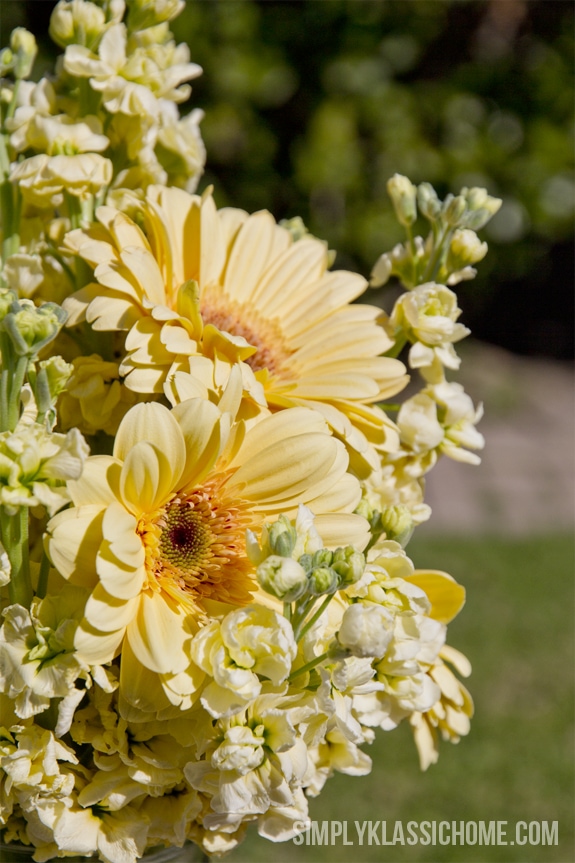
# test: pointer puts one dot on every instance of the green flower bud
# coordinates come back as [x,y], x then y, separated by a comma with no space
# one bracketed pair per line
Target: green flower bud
[478,199]
[77,22]
[295,226]
[31,328]
[24,48]
[282,536]
[428,202]
[7,298]
[476,219]
[282,577]
[306,562]
[323,557]
[465,249]
[58,372]
[7,61]
[349,564]
[397,523]
[322,580]
[148,13]
[454,209]
[403,194]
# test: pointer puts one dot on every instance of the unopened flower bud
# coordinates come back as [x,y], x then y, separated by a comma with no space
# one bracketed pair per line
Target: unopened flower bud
[465,249]
[24,48]
[57,372]
[349,564]
[428,202]
[7,61]
[282,577]
[323,557]
[366,630]
[323,580]
[403,194]
[296,227]
[478,199]
[31,328]
[381,271]
[282,536]
[7,297]
[149,13]
[454,209]
[397,523]
[77,22]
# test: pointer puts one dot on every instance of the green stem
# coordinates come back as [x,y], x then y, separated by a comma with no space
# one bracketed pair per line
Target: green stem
[42,587]
[16,391]
[301,611]
[435,259]
[298,635]
[413,250]
[15,541]
[287,610]
[397,346]
[307,667]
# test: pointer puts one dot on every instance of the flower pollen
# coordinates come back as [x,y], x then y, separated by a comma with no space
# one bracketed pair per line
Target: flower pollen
[242,319]
[196,546]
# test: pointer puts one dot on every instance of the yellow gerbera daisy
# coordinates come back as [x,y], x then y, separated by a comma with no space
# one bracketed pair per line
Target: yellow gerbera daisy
[198,280]
[157,530]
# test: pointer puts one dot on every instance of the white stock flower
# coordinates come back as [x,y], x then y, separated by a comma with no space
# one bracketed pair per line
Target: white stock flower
[458,415]
[35,464]
[254,762]
[366,630]
[428,316]
[419,428]
[43,179]
[249,642]
[130,77]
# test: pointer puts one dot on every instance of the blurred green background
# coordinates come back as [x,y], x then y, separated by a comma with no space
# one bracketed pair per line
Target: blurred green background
[310,107]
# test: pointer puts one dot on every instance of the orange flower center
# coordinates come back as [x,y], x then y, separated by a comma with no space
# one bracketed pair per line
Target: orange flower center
[195,546]
[241,319]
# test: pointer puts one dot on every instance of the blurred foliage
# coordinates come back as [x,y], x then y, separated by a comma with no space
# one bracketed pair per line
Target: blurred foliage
[311,105]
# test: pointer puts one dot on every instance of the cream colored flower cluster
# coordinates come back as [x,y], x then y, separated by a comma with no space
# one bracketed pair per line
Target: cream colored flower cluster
[207,608]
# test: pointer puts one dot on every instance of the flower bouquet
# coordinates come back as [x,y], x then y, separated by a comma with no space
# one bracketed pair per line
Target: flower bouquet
[205,492]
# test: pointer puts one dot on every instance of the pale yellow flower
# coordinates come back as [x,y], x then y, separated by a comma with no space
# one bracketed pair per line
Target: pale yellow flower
[157,531]
[94,397]
[451,714]
[43,179]
[221,282]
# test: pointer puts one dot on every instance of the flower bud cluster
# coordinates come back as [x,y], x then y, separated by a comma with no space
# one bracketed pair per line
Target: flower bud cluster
[289,575]
[452,246]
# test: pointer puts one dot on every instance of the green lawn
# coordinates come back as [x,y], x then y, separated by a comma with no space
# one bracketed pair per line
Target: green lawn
[517,763]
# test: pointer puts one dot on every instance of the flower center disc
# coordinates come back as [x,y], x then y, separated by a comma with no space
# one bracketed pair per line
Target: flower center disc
[199,547]
[241,319]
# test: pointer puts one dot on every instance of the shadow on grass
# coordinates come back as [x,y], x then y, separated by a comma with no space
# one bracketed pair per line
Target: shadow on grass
[517,763]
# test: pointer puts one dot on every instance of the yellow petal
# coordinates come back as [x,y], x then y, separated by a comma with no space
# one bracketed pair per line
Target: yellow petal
[94,647]
[147,480]
[157,634]
[341,529]
[99,482]
[204,429]
[249,255]
[446,596]
[294,472]
[73,538]
[107,613]
[156,425]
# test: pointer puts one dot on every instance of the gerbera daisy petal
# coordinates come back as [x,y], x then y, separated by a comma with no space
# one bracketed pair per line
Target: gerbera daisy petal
[156,425]
[156,635]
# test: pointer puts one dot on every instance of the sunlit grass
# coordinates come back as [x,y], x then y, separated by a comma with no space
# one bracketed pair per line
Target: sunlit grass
[517,763]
